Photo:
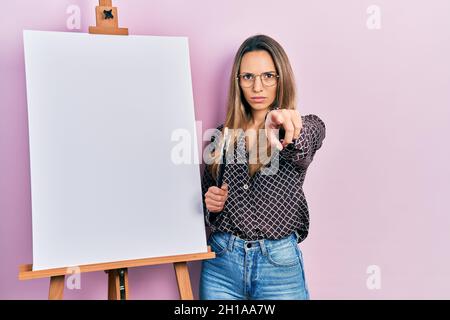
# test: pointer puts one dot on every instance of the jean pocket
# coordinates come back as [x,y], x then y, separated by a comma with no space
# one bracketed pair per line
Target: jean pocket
[283,256]
[218,245]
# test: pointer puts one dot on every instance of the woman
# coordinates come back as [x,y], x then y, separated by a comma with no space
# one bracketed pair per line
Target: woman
[260,214]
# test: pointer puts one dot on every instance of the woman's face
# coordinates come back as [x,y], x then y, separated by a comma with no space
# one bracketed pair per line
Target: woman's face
[257,63]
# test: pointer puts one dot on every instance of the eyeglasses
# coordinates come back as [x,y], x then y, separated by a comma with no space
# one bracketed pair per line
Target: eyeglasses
[268,79]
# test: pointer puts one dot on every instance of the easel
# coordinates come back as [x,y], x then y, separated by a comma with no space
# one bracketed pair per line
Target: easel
[107,23]
[115,270]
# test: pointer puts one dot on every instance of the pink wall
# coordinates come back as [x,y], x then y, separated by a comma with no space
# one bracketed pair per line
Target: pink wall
[378,188]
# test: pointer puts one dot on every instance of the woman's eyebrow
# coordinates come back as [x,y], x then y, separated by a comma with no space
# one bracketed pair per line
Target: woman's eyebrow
[261,72]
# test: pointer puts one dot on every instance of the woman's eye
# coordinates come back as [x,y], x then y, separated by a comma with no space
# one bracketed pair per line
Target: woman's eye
[268,75]
[248,76]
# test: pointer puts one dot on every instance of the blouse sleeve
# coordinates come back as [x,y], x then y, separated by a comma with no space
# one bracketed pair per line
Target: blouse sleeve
[302,150]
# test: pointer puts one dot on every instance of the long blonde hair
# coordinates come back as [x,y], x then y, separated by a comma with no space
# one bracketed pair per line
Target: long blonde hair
[238,110]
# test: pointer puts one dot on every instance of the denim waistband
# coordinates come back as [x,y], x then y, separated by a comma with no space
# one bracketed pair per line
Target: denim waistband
[234,242]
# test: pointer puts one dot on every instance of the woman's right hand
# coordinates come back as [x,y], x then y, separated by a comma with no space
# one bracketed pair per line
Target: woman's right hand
[215,198]
[289,119]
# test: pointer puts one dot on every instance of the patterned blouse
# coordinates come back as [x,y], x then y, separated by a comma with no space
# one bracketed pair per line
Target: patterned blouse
[267,206]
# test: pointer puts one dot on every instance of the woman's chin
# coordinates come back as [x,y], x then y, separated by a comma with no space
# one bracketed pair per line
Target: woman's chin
[259,106]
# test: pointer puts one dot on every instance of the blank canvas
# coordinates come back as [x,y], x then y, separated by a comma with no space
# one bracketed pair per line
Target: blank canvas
[102,110]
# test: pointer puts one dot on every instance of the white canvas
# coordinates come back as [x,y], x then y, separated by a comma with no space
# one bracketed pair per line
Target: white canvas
[101,112]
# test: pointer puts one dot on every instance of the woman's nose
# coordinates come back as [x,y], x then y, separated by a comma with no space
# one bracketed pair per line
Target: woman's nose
[257,85]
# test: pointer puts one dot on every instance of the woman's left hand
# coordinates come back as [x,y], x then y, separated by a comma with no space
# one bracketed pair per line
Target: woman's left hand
[289,119]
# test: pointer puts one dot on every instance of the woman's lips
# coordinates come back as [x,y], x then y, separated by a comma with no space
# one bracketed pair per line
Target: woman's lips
[258,100]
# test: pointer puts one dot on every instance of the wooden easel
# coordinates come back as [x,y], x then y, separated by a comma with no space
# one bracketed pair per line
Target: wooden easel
[107,23]
[117,269]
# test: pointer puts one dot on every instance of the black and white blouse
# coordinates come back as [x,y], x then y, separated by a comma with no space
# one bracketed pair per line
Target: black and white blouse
[267,206]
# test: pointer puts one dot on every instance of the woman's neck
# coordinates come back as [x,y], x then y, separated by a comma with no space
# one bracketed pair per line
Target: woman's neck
[257,118]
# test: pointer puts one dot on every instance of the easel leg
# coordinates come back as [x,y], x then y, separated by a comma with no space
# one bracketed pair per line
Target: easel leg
[56,290]
[118,284]
[184,282]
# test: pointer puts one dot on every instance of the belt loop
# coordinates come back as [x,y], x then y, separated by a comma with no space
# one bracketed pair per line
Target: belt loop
[263,247]
[297,234]
[231,242]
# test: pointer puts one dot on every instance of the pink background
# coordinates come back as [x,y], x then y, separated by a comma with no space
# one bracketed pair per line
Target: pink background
[378,189]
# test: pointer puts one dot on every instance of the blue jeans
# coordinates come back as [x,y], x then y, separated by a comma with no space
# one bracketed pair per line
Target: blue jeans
[260,269]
